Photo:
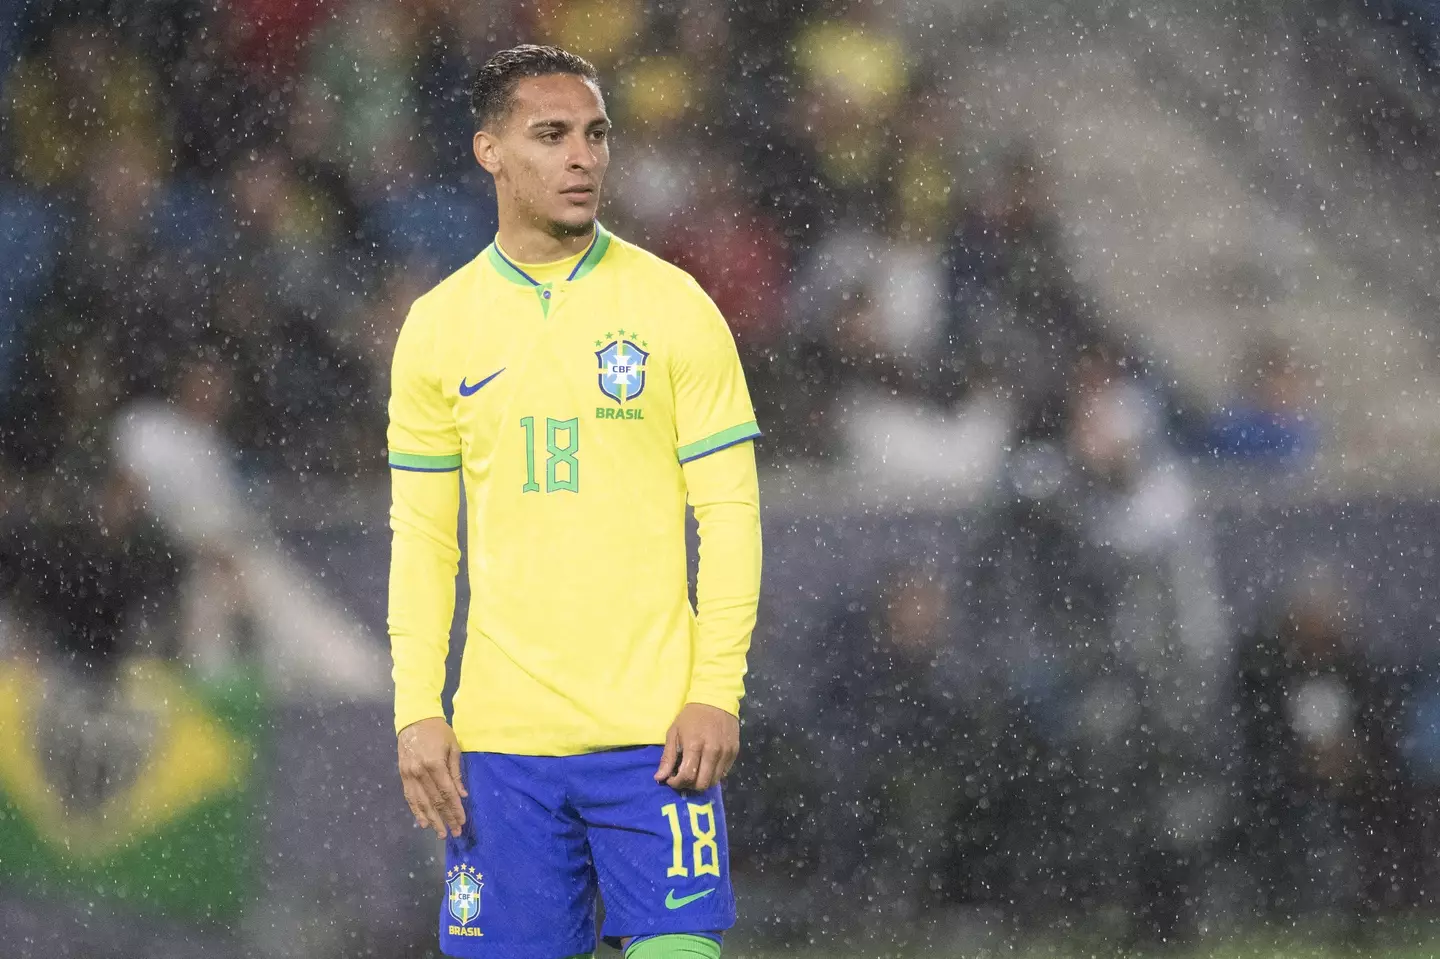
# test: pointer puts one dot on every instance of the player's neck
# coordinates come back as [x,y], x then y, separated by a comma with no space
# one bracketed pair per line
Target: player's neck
[527,243]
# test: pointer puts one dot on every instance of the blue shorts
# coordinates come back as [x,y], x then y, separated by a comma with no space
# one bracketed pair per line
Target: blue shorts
[543,833]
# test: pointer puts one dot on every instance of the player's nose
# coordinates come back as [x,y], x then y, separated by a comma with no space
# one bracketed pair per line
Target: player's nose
[583,156]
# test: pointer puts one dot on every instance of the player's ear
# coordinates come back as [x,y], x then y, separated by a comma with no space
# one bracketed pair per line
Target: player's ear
[487,151]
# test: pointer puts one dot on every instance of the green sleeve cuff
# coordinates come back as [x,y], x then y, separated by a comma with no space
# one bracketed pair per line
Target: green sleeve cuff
[719,441]
[422,463]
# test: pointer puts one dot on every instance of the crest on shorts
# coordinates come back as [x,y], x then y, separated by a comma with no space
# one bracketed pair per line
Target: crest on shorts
[462,893]
[622,366]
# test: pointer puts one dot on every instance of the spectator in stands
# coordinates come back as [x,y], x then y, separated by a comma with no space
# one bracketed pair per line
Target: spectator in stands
[739,257]
[657,102]
[853,71]
[1017,311]
[296,396]
[31,234]
[74,370]
[601,31]
[1272,416]
[1323,806]
[899,405]
[99,577]
[903,717]
[79,93]
[281,233]
[221,105]
[132,272]
[1145,663]
[270,37]
[360,67]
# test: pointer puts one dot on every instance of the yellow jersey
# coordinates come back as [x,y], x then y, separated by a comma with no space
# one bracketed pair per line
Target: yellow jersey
[582,403]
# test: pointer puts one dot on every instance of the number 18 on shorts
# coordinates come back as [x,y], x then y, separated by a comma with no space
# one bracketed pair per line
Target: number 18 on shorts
[544,833]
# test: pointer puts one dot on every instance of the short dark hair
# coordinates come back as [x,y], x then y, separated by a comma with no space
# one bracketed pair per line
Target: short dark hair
[492,92]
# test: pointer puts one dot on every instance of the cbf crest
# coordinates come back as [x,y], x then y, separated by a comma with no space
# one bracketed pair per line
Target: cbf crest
[462,893]
[622,366]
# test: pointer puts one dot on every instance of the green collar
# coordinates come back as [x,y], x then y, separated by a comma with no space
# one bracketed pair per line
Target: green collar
[593,255]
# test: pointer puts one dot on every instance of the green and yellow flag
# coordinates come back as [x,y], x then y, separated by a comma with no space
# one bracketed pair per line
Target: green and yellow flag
[141,792]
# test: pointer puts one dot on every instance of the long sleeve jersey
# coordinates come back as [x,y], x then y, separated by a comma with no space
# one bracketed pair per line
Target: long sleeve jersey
[583,403]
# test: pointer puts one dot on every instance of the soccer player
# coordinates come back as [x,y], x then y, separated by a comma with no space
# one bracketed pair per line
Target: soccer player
[584,390]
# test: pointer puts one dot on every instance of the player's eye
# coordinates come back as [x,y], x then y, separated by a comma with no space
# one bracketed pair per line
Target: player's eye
[598,134]
[550,136]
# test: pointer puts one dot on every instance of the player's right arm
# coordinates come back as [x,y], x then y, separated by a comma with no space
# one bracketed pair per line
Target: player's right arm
[424,453]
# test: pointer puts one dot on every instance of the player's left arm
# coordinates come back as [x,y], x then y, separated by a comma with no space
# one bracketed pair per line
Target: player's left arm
[715,427]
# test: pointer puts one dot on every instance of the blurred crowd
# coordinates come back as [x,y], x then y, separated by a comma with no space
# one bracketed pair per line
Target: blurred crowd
[261,188]
[1044,730]
[224,211]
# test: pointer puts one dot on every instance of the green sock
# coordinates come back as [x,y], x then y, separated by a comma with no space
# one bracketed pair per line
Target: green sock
[675,945]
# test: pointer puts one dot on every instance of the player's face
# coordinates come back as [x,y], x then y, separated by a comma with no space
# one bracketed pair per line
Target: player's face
[550,153]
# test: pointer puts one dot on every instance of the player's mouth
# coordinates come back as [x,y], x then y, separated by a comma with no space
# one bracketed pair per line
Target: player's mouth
[578,194]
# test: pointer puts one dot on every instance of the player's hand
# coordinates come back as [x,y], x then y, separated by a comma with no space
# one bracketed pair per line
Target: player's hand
[700,748]
[430,775]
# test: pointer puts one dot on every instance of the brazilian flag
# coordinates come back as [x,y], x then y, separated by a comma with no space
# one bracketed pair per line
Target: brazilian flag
[141,792]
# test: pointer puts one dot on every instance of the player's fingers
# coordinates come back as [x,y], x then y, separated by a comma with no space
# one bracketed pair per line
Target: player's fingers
[453,789]
[414,806]
[727,761]
[684,777]
[433,820]
[425,809]
[442,793]
[709,769]
[455,775]
[414,794]
[667,757]
[435,797]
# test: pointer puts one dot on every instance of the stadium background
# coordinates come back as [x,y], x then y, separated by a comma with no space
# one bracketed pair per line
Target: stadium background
[1095,348]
